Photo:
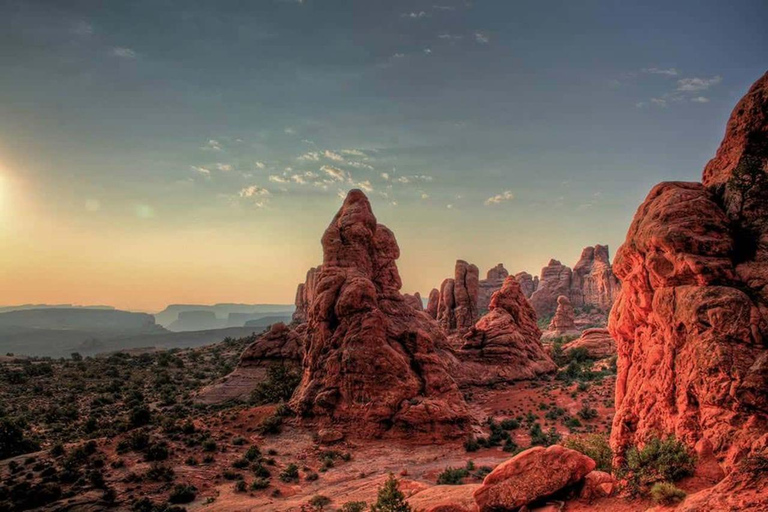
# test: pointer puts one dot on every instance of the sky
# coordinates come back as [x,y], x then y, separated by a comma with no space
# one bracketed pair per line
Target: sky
[159,151]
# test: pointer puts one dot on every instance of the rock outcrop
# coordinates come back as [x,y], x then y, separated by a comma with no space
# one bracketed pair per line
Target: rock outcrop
[504,345]
[414,301]
[457,307]
[281,345]
[372,361]
[690,320]
[528,283]
[597,342]
[531,475]
[488,286]
[432,302]
[592,281]
[555,281]
[305,295]
[564,320]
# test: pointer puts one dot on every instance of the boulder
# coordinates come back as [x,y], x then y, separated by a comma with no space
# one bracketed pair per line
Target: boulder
[530,476]
[598,484]
[564,320]
[597,342]
[372,363]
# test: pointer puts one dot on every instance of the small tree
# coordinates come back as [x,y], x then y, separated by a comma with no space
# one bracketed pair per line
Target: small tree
[390,498]
[748,181]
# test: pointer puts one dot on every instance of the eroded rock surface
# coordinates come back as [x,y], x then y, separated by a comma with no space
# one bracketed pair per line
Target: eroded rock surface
[564,321]
[555,281]
[597,342]
[528,283]
[488,286]
[457,307]
[593,282]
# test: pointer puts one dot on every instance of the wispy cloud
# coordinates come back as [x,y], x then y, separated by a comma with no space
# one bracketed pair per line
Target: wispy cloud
[202,170]
[311,156]
[92,205]
[212,145]
[224,167]
[335,173]
[700,99]
[414,15]
[257,196]
[482,38]
[661,71]
[278,179]
[353,152]
[123,53]
[507,195]
[333,156]
[260,165]
[697,84]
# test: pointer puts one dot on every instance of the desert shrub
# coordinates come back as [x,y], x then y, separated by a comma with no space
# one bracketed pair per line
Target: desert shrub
[209,445]
[541,438]
[390,498]
[471,444]
[666,493]
[253,453]
[290,473]
[354,506]
[311,476]
[259,483]
[241,463]
[182,493]
[319,501]
[159,473]
[279,385]
[510,446]
[660,460]
[594,446]
[270,425]
[156,451]
[259,470]
[452,476]
[587,413]
[510,424]
[240,486]
[12,439]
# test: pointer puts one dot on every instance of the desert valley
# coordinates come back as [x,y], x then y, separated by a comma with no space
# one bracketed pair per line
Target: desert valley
[637,383]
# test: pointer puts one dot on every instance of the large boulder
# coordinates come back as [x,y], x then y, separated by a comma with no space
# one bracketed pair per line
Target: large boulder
[530,476]
[564,321]
[690,320]
[373,362]
[597,342]
[504,345]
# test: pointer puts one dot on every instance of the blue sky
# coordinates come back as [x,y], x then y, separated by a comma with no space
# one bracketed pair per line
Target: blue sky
[179,139]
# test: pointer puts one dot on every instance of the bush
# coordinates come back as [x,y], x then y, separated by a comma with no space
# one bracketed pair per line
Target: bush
[354,506]
[182,493]
[240,486]
[290,473]
[452,476]
[540,438]
[666,460]
[278,386]
[12,439]
[471,444]
[390,498]
[666,493]
[259,483]
[510,424]
[594,446]
[270,425]
[319,501]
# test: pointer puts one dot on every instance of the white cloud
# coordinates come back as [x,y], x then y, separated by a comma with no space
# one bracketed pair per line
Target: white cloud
[507,195]
[700,99]
[482,38]
[298,178]
[660,71]
[697,84]
[427,51]
[353,152]
[424,196]
[260,165]
[333,156]
[312,156]
[212,145]
[259,196]
[201,170]
[335,173]
[414,15]
[385,176]
[289,131]
[277,179]
[359,165]
[449,37]
[659,101]
[224,167]
[82,28]
[449,206]
[365,185]
[123,53]
[92,205]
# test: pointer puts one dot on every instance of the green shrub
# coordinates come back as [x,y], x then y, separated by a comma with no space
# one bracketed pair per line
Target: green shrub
[259,483]
[240,486]
[510,424]
[182,493]
[471,444]
[666,460]
[319,501]
[452,476]
[390,498]
[540,438]
[666,493]
[279,385]
[354,506]
[290,473]
[594,446]
[270,425]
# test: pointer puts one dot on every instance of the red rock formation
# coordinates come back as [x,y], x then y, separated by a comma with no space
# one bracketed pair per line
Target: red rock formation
[533,474]
[457,307]
[304,295]
[414,301]
[280,345]
[690,321]
[372,361]
[563,322]
[555,281]
[434,299]
[504,345]
[593,282]
[597,342]
[488,286]
[527,283]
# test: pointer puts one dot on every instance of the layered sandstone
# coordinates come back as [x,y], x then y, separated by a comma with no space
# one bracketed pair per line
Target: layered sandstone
[597,342]
[488,286]
[528,283]
[564,320]
[504,345]
[414,301]
[690,319]
[457,306]
[305,295]
[372,360]
[593,282]
[432,302]
[555,281]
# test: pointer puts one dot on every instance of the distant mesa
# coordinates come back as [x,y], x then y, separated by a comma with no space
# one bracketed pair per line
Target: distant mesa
[199,317]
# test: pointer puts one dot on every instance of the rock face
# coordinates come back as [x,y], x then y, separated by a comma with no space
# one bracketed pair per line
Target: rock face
[372,360]
[597,342]
[432,301]
[555,281]
[528,283]
[457,307]
[414,301]
[504,345]
[592,281]
[488,286]
[533,474]
[564,320]
[281,345]
[690,320]
[304,295]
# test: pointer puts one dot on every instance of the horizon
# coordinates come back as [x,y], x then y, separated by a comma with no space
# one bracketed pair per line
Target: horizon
[154,155]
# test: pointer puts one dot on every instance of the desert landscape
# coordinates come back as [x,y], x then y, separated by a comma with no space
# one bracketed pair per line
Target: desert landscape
[633,385]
